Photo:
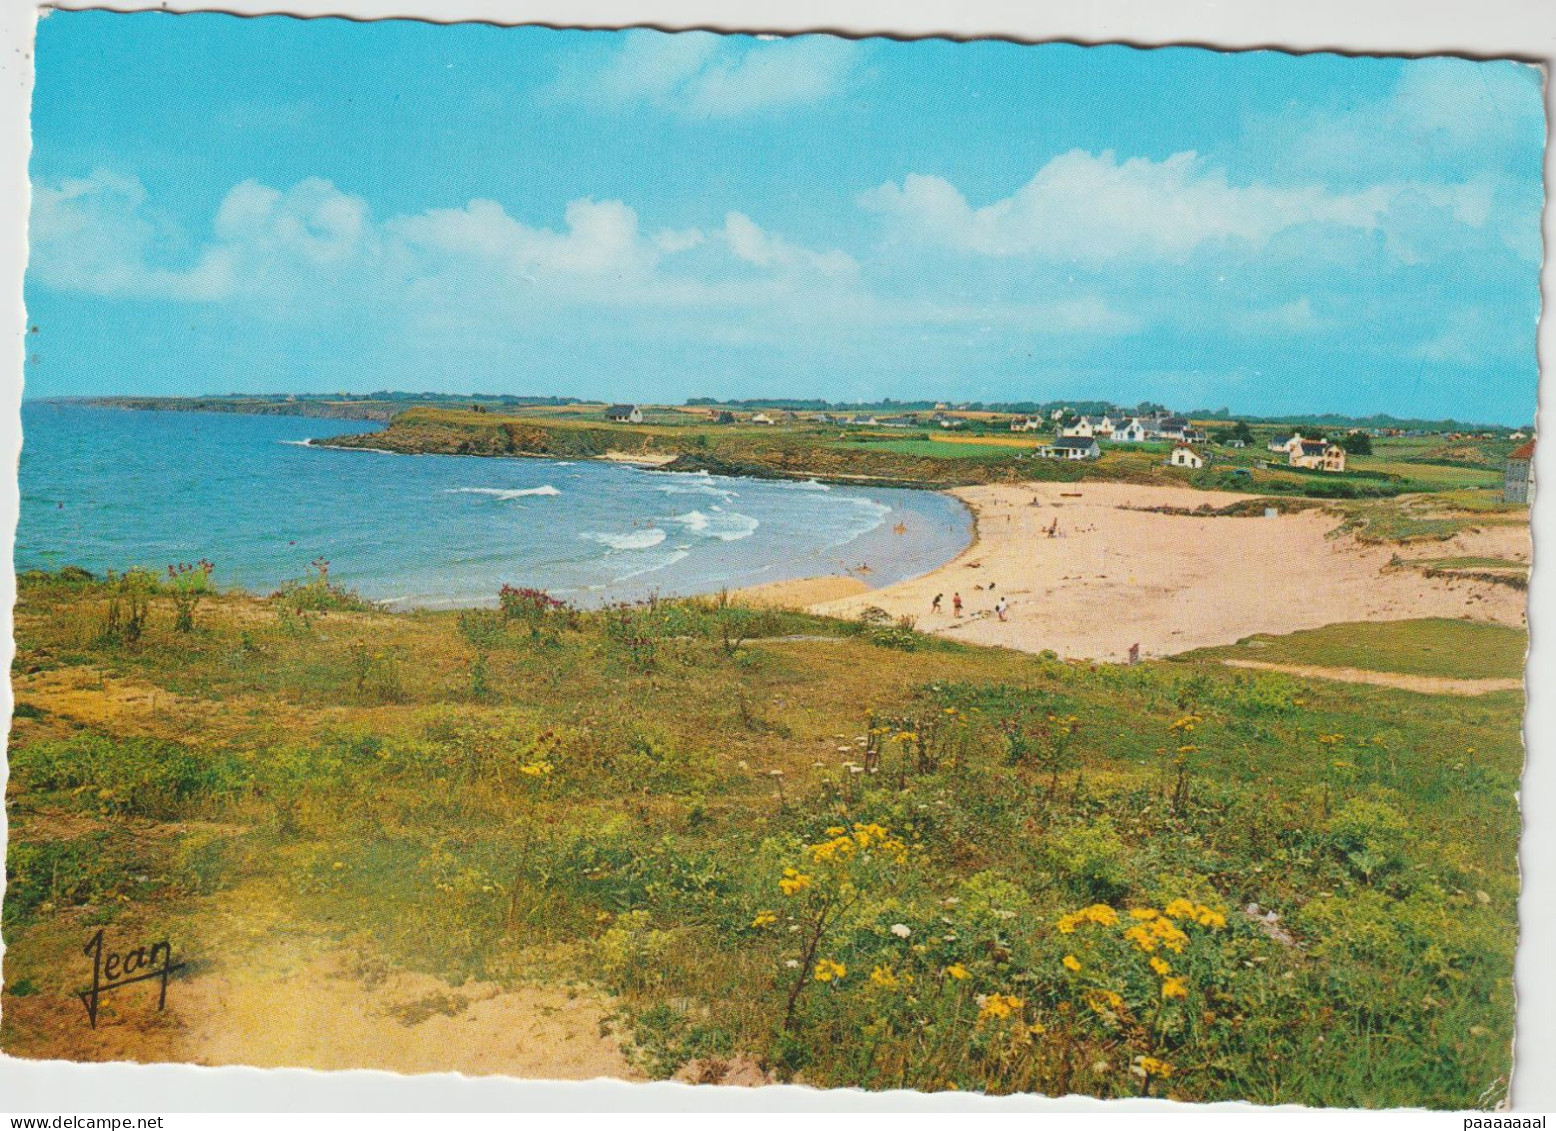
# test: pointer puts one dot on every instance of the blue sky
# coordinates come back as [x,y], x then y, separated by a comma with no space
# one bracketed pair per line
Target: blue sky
[225,204]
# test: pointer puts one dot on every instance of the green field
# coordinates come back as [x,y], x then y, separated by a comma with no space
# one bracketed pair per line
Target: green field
[1453,649]
[851,854]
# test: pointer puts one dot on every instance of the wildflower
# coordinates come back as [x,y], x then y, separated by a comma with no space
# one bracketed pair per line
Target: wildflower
[1072,964]
[957,972]
[1142,938]
[1143,913]
[536,769]
[1161,967]
[1068,923]
[889,979]
[1179,909]
[792,963]
[793,882]
[1150,1066]
[1206,917]
[828,970]
[992,1007]
[836,830]
[1101,1001]
[1101,914]
[901,930]
[764,919]
[1174,987]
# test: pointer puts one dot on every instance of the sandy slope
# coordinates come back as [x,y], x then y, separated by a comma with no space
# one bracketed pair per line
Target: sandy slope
[1115,576]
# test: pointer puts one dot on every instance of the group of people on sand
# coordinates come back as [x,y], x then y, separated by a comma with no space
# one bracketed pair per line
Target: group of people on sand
[1001,607]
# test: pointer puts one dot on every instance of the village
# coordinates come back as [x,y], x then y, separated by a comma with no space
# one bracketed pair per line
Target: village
[1235,448]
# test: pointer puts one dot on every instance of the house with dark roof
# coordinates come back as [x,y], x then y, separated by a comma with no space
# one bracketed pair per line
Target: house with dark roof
[1185,456]
[1518,479]
[1071,447]
[1278,444]
[624,414]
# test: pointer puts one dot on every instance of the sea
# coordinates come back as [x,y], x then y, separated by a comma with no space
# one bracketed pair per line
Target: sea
[109,489]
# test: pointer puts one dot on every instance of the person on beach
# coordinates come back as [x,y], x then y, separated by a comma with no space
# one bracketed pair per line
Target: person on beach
[999,608]
[956,603]
[934,606]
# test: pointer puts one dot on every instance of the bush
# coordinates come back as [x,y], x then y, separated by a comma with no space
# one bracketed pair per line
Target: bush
[140,776]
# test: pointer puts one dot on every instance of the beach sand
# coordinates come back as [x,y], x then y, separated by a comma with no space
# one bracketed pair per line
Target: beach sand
[800,592]
[1115,576]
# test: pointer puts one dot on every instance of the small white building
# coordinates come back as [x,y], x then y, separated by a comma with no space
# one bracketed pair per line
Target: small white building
[1082,429]
[1518,479]
[1071,447]
[624,414]
[1027,424]
[1185,456]
[762,418]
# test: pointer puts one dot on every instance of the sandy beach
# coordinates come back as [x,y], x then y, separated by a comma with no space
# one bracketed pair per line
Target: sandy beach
[1113,576]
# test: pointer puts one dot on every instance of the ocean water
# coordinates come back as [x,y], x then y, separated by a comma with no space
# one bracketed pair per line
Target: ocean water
[109,489]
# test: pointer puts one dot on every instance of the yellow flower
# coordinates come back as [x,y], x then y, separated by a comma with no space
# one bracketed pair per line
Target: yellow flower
[957,971]
[1179,909]
[1143,913]
[836,830]
[1160,967]
[536,769]
[1174,987]
[1103,1000]
[1068,923]
[793,882]
[827,970]
[992,1007]
[1101,914]
[1142,938]
[888,979]
[1150,1066]
[764,919]
[1072,964]
[1206,917]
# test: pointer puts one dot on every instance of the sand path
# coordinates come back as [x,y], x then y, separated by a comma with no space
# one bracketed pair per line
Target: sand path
[1114,576]
[263,991]
[1426,684]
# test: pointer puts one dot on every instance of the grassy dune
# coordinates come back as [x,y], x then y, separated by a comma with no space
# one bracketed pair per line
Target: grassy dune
[849,853]
[1451,649]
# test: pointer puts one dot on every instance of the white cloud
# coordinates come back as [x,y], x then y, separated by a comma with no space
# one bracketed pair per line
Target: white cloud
[702,75]
[1091,208]
[753,244]
[299,252]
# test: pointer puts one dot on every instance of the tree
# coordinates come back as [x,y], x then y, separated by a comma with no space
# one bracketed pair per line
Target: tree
[1357,444]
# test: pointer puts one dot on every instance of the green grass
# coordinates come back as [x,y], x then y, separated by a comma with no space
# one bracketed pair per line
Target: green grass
[593,798]
[1470,562]
[1454,649]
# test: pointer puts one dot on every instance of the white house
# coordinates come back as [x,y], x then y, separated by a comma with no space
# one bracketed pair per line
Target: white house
[1132,433]
[762,418]
[1027,424]
[1172,428]
[1071,447]
[1315,455]
[1518,479]
[1056,414]
[1082,429]
[624,414]
[1185,456]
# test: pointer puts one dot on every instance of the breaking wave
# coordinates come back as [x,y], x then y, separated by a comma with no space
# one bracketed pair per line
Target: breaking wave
[634,540]
[505,493]
[716,522]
